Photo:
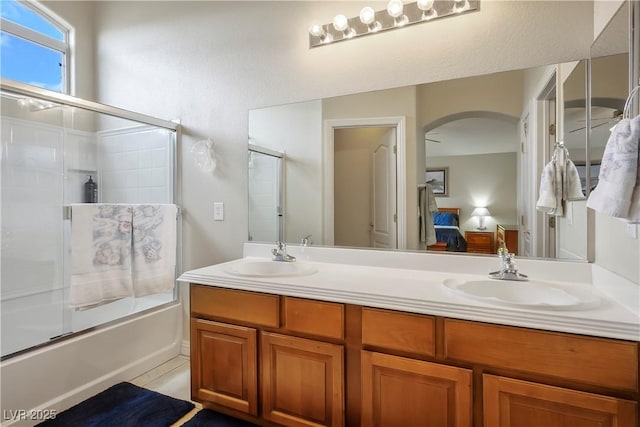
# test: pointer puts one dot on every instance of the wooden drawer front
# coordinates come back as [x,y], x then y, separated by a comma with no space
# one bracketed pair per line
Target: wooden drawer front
[251,307]
[588,360]
[320,318]
[398,331]
[482,239]
[509,402]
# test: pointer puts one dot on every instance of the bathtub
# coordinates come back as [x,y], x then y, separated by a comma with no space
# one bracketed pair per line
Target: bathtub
[60,375]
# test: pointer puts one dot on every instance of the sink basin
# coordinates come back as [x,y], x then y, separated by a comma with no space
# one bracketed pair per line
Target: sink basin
[537,295]
[268,268]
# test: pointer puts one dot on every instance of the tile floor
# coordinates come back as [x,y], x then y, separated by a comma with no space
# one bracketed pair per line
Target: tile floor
[173,379]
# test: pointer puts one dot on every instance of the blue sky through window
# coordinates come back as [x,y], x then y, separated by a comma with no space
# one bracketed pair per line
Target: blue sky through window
[27,62]
[30,63]
[15,12]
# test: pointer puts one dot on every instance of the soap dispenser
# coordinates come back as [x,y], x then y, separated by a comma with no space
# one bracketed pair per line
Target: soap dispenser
[90,191]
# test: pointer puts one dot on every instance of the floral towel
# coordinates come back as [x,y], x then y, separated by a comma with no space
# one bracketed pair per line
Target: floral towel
[619,174]
[101,237]
[154,248]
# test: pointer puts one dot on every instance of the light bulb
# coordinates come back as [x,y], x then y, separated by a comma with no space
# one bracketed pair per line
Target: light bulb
[367,15]
[340,22]
[426,6]
[395,8]
[316,30]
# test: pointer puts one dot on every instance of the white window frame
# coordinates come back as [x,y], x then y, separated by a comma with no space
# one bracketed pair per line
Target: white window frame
[44,40]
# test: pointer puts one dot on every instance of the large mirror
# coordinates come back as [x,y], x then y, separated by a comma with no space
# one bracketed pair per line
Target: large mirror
[355,166]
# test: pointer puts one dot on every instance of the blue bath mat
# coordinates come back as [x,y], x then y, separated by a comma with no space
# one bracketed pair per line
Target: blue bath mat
[208,418]
[123,405]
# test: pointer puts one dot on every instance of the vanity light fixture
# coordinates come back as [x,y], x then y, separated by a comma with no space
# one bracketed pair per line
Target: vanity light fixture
[481,212]
[398,14]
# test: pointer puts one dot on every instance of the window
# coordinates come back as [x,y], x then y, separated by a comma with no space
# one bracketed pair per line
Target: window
[34,47]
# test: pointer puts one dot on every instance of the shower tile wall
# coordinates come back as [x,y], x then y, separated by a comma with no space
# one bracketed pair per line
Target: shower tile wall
[135,166]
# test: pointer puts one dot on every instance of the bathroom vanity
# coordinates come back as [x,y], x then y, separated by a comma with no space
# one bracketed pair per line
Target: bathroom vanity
[360,343]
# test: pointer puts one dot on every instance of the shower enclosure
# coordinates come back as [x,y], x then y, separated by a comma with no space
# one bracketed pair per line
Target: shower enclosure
[51,145]
[266,196]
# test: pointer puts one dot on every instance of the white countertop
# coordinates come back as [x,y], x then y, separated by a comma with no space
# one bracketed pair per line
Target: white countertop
[418,290]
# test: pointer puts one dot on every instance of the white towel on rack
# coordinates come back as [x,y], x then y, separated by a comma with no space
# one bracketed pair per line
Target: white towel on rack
[154,248]
[547,198]
[100,254]
[618,172]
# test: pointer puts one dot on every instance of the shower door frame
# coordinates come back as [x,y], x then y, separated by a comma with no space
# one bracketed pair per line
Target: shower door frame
[20,89]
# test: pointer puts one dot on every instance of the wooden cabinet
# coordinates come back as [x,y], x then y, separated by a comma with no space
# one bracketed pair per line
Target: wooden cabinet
[398,391]
[514,403]
[224,367]
[479,241]
[302,381]
[298,362]
[245,360]
[509,235]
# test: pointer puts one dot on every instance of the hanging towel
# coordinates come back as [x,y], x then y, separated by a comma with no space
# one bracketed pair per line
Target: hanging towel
[572,188]
[634,209]
[154,248]
[547,198]
[100,254]
[427,206]
[618,172]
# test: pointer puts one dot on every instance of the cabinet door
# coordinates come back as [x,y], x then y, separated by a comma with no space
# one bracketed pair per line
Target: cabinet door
[224,365]
[397,391]
[510,403]
[302,381]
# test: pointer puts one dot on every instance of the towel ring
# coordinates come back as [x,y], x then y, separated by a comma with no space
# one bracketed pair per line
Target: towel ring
[627,104]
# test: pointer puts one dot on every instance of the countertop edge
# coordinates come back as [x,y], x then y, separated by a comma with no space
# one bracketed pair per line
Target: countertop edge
[547,320]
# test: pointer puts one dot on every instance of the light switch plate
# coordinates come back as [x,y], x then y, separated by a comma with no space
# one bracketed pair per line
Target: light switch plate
[632,231]
[218,211]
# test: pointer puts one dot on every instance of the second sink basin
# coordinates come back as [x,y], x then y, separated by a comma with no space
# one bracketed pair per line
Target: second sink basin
[537,295]
[268,268]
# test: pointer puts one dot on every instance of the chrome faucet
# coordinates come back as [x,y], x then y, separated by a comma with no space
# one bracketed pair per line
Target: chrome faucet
[508,269]
[306,240]
[280,253]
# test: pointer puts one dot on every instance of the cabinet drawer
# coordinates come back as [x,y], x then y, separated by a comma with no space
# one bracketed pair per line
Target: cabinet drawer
[526,403]
[320,318]
[251,307]
[479,238]
[398,331]
[596,361]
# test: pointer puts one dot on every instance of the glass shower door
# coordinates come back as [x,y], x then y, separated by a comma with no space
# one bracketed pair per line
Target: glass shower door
[32,267]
